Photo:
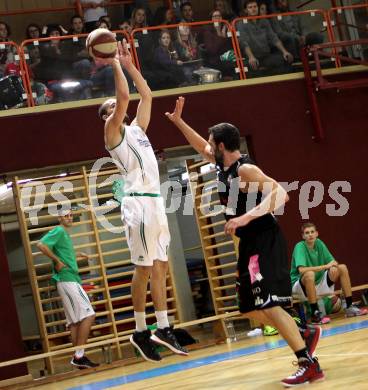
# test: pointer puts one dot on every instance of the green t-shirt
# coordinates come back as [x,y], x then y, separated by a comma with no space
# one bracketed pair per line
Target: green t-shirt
[60,243]
[305,257]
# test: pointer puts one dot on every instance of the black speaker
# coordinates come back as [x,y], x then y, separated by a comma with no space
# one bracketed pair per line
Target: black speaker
[11,92]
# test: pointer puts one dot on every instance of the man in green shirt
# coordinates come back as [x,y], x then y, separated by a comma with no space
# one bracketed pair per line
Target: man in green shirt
[314,272]
[58,246]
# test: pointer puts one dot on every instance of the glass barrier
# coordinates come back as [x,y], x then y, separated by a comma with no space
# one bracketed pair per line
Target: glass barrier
[60,69]
[270,44]
[187,54]
[350,23]
[13,93]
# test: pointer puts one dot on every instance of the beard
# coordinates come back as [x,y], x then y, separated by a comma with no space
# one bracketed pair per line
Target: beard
[219,158]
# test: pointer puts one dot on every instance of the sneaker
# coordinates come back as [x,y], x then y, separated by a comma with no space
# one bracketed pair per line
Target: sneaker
[354,311]
[167,338]
[307,372]
[142,342]
[311,336]
[270,331]
[318,319]
[83,362]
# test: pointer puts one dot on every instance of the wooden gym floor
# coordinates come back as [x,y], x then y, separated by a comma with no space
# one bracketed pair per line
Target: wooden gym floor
[251,363]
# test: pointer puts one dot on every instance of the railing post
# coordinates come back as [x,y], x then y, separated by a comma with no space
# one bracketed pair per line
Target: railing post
[318,133]
[78,8]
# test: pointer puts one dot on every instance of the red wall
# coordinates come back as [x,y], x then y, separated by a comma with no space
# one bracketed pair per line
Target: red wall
[11,340]
[272,115]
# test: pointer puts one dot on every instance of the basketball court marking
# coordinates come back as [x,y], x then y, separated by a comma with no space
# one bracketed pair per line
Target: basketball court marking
[217,358]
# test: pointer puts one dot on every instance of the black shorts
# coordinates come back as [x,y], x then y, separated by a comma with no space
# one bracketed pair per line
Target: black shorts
[263,271]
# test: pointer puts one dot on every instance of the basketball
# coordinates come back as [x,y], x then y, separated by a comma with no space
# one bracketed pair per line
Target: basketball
[101,43]
[336,304]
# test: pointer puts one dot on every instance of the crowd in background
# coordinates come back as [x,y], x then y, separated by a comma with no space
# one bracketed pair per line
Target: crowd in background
[168,57]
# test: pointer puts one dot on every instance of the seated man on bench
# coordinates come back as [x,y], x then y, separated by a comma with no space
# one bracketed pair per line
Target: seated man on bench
[314,272]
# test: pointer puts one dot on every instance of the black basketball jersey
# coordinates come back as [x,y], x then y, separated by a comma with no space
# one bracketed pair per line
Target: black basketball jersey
[237,202]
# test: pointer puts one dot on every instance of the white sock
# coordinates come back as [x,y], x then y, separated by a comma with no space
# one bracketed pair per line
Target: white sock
[162,320]
[140,321]
[79,353]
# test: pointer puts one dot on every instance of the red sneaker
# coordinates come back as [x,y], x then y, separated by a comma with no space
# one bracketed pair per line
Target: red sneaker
[311,336]
[307,372]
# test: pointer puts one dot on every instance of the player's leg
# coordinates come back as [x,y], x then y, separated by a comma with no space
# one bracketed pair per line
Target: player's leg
[140,280]
[271,289]
[136,233]
[141,338]
[158,245]
[341,272]
[82,317]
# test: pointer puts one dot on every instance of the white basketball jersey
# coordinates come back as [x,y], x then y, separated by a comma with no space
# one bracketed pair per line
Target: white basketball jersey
[137,162]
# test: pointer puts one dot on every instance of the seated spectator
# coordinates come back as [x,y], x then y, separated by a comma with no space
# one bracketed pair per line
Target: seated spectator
[125,26]
[188,51]
[55,68]
[165,15]
[314,271]
[167,59]
[75,51]
[291,30]
[156,77]
[259,42]
[186,12]
[138,19]
[224,7]
[8,52]
[215,43]
[33,31]
[96,9]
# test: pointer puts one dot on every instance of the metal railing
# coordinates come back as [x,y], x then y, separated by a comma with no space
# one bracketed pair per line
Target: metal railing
[203,62]
[325,25]
[240,24]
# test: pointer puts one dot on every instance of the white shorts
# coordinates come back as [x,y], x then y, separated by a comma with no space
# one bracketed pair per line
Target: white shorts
[146,228]
[322,288]
[76,303]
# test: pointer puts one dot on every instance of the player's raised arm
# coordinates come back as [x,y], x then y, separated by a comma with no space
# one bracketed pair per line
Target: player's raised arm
[198,142]
[115,120]
[143,115]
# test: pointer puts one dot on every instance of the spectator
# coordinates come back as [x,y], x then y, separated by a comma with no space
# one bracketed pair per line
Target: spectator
[314,271]
[33,31]
[75,50]
[105,19]
[263,8]
[103,24]
[224,7]
[7,53]
[188,51]
[94,12]
[56,68]
[167,59]
[291,30]
[128,10]
[125,26]
[258,41]
[76,25]
[186,11]
[165,15]
[216,43]
[138,19]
